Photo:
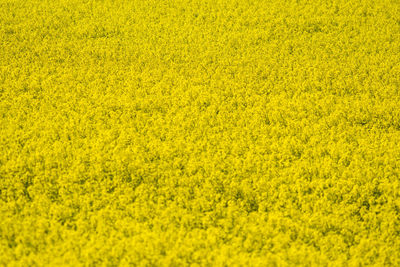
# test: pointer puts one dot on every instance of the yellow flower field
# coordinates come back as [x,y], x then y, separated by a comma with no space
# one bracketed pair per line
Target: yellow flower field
[199,132]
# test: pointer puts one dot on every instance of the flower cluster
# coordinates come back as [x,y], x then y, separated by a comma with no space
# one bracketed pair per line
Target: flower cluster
[204,133]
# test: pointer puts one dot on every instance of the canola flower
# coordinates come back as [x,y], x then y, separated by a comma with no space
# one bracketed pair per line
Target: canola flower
[201,133]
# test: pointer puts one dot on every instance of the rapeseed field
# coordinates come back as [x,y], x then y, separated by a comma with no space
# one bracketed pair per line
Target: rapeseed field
[199,132]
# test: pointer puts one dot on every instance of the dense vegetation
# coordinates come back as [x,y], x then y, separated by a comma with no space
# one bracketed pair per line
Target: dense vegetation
[212,132]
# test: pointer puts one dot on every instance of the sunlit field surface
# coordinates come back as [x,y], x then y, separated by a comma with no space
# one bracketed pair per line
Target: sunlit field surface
[202,133]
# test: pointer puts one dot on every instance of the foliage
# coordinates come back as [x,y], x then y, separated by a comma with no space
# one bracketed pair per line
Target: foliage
[213,132]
